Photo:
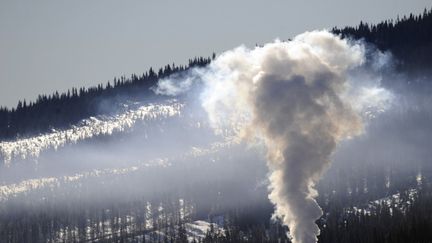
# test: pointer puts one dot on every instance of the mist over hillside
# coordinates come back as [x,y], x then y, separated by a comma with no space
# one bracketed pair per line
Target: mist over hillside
[321,138]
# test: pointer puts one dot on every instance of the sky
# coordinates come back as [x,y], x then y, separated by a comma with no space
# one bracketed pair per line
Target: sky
[50,45]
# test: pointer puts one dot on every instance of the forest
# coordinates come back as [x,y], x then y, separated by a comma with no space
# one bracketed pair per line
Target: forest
[368,202]
[354,212]
[60,110]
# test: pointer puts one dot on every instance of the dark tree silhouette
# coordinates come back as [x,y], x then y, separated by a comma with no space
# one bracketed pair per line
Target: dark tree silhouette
[62,110]
[409,38]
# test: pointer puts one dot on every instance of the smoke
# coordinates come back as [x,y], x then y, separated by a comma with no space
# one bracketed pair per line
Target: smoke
[178,83]
[298,99]
[168,87]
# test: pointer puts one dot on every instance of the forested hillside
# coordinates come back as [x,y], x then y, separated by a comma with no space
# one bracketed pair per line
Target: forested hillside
[60,110]
[376,196]
[409,39]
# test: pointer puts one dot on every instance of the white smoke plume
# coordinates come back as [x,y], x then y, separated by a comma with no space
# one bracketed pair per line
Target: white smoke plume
[168,86]
[178,83]
[297,98]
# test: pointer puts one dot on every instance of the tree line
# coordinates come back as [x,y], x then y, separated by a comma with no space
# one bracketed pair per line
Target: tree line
[408,38]
[60,110]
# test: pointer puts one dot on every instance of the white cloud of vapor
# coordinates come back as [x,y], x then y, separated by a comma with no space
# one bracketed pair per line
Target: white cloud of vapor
[298,98]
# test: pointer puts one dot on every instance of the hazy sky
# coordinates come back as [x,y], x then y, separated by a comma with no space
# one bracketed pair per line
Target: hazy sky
[49,45]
